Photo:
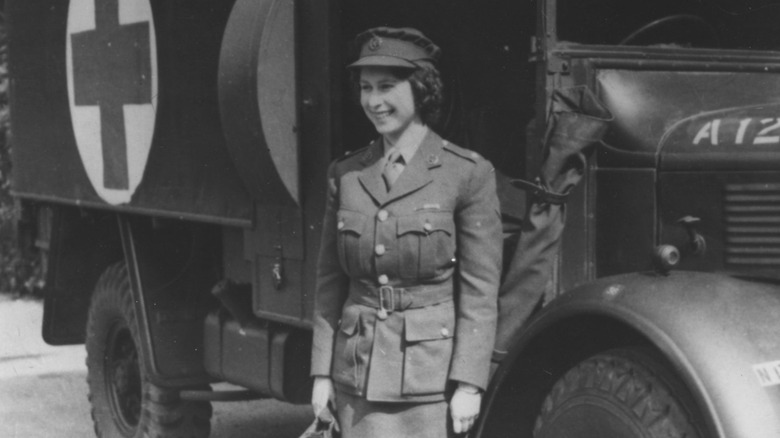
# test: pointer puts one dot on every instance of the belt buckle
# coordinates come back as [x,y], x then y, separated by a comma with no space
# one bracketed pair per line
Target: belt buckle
[384,293]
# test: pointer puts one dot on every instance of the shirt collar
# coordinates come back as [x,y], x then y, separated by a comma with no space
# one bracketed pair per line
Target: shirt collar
[407,150]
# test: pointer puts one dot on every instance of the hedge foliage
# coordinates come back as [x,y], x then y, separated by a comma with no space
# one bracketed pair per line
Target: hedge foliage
[20,272]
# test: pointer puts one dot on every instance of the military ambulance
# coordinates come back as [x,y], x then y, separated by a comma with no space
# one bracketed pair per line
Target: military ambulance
[170,159]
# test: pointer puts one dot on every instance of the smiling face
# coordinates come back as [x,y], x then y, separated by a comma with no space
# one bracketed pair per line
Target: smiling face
[387,101]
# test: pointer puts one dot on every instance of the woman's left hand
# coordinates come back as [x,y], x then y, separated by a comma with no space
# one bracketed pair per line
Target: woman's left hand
[464,407]
[322,394]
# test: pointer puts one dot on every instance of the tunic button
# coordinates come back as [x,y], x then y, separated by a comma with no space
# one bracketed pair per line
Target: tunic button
[445,332]
[382,215]
[380,249]
[383,279]
[428,226]
[340,225]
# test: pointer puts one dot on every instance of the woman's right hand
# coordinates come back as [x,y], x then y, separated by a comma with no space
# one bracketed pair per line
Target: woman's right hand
[321,394]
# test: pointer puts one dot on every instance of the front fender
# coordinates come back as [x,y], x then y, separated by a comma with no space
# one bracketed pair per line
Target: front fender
[720,334]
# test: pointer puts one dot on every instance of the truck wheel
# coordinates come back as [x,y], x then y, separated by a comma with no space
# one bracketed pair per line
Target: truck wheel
[124,403]
[621,394]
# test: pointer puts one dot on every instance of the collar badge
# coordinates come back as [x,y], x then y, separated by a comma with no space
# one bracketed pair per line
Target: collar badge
[367,157]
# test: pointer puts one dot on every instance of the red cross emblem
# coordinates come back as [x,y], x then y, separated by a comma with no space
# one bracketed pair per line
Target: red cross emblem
[112,86]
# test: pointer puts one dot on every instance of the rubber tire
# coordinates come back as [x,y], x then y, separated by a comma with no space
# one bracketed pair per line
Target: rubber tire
[618,394]
[137,409]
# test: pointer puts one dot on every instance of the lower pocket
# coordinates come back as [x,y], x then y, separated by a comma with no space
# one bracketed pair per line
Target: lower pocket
[428,345]
[346,362]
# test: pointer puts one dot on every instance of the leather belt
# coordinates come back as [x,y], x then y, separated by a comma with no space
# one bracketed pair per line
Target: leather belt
[389,299]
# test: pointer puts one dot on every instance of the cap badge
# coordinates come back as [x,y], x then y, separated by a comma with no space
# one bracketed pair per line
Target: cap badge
[374,43]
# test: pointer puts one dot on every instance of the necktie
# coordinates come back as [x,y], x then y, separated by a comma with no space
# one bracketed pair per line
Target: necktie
[393,166]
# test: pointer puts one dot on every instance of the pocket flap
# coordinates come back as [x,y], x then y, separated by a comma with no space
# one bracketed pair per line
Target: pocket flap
[351,221]
[350,319]
[428,323]
[426,222]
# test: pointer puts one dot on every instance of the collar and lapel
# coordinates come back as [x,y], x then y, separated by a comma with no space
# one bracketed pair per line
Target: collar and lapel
[371,175]
[415,176]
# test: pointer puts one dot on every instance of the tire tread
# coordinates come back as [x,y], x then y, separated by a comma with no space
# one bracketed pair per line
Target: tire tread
[163,413]
[621,377]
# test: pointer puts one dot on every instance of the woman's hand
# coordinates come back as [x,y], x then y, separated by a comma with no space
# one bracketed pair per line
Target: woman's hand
[321,394]
[464,407]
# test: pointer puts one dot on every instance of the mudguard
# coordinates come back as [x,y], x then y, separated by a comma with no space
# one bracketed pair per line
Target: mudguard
[718,332]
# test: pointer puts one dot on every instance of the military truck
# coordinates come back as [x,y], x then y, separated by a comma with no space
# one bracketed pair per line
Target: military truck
[170,158]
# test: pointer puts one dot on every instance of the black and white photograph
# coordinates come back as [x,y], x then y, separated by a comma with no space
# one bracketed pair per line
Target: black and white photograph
[390,219]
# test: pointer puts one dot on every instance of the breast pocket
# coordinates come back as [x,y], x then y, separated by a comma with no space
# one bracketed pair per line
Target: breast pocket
[426,244]
[351,226]
[428,336]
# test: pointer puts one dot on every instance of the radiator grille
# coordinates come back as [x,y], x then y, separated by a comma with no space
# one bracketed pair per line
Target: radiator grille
[752,214]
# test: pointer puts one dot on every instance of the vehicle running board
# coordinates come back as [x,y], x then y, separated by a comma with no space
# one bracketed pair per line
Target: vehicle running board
[220,396]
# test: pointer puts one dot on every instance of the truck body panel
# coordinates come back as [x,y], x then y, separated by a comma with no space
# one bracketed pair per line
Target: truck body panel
[188,172]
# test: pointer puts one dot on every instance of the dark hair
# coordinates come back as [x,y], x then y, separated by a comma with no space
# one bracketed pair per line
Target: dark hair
[427,89]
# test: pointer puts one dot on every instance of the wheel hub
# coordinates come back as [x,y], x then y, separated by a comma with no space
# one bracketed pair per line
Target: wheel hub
[124,379]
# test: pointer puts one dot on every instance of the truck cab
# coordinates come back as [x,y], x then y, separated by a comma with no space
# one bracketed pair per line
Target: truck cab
[665,279]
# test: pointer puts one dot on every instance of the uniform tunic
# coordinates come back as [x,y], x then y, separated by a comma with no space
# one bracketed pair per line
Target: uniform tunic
[407,280]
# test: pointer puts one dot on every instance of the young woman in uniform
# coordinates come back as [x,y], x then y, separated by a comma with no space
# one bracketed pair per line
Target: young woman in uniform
[409,267]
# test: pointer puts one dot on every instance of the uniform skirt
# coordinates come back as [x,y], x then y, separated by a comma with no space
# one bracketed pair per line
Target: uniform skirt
[359,418]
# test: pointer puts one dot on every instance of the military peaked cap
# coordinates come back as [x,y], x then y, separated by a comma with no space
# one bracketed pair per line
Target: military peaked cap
[395,47]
